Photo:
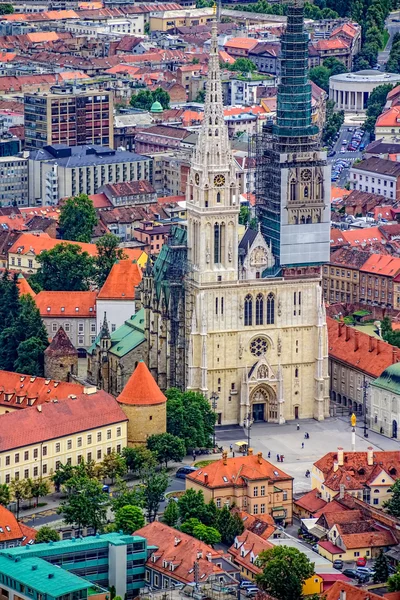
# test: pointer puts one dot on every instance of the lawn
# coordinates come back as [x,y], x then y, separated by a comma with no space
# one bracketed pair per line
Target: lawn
[386,36]
[204,463]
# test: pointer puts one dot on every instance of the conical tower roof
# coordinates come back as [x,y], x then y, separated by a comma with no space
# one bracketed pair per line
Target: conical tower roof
[141,388]
[61,345]
[24,287]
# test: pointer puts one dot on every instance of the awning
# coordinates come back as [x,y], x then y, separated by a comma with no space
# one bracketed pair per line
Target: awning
[277,508]
[240,444]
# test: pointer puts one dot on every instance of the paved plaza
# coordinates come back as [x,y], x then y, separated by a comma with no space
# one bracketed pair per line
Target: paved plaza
[285,440]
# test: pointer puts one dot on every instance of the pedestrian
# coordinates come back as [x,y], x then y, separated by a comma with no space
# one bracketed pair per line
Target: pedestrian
[231,447]
[298,427]
[233,454]
[282,458]
[194,455]
[269,454]
[302,445]
[277,458]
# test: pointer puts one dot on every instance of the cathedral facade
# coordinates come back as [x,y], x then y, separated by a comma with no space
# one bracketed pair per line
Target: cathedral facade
[245,322]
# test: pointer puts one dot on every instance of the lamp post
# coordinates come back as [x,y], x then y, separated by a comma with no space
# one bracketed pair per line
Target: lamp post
[247,423]
[365,387]
[214,399]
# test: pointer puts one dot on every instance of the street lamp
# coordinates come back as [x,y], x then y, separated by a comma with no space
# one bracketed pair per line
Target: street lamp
[214,399]
[247,423]
[365,387]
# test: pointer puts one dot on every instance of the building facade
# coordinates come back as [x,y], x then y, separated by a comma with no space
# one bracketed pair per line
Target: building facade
[341,278]
[350,91]
[385,402]
[13,181]
[376,175]
[69,116]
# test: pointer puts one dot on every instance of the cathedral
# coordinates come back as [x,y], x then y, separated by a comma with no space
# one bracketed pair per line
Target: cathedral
[244,323]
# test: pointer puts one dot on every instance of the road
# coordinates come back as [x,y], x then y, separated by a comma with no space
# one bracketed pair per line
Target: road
[393,27]
[345,134]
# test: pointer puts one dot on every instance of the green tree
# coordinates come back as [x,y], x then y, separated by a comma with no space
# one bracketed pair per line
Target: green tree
[171,514]
[393,583]
[139,458]
[190,417]
[381,568]
[6,9]
[393,504]
[166,447]
[335,66]
[108,253]
[208,535]
[155,485]
[86,504]
[30,357]
[78,219]
[39,488]
[244,65]
[244,215]
[320,76]
[191,505]
[201,96]
[228,525]
[113,465]
[20,490]
[161,96]
[333,122]
[284,570]
[46,534]
[124,496]
[65,268]
[61,475]
[5,494]
[129,519]
[376,102]
[142,100]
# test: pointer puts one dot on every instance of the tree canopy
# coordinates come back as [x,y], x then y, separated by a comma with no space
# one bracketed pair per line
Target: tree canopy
[129,519]
[65,268]
[46,534]
[190,417]
[145,98]
[284,571]
[78,219]
[86,504]
[393,504]
[155,485]
[244,65]
[376,102]
[166,447]
[108,253]
[208,535]
[6,9]
[320,75]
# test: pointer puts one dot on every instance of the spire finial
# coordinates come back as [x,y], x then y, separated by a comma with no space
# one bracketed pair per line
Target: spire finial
[214,8]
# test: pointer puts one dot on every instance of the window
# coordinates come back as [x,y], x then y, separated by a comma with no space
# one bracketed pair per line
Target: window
[284,495]
[119,449]
[7,460]
[16,457]
[67,327]
[89,456]
[44,469]
[69,444]
[248,311]
[262,490]
[44,451]
[118,431]
[26,473]
[217,243]
[89,439]
[26,455]
[109,434]
[79,442]
[255,490]
[35,453]
[80,328]
[99,454]
[259,309]
[255,509]
[99,436]
[270,309]
[218,502]
[58,447]
[8,478]
[35,471]
[54,327]
[356,554]
[262,509]
[93,327]
[376,501]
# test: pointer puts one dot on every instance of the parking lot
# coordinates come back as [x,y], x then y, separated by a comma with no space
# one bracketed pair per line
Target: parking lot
[348,147]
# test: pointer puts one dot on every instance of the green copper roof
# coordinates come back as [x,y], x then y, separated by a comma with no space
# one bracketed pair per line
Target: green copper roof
[156,107]
[129,335]
[389,379]
[40,575]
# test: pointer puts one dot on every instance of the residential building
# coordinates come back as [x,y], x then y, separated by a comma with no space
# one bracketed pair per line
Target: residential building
[68,116]
[152,236]
[377,276]
[350,91]
[173,554]
[114,26]
[387,126]
[382,149]
[376,175]
[244,91]
[75,312]
[355,359]
[347,591]
[250,482]
[116,300]
[359,203]
[266,57]
[61,171]
[107,560]
[308,505]
[341,278]
[240,47]
[159,138]
[337,48]
[129,193]
[364,475]
[385,402]
[13,181]
[66,431]
[167,20]
[22,254]
[12,532]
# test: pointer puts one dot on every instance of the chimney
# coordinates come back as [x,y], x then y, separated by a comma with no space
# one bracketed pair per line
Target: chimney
[250,451]
[347,333]
[225,458]
[39,408]
[206,478]
[340,456]
[370,456]
[341,491]
[371,343]
[259,458]
[177,541]
[378,346]
[356,339]
[394,356]
[335,466]
[340,328]
[342,595]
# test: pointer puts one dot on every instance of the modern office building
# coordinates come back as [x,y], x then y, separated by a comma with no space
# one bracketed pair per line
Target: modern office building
[68,116]
[61,171]
[13,181]
[91,565]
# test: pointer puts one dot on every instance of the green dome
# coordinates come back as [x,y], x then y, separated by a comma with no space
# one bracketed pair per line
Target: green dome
[156,107]
[389,379]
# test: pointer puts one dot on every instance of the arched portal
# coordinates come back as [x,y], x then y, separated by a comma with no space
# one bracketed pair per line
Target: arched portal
[264,405]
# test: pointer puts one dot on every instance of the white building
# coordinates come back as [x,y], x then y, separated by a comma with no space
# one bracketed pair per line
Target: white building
[377,176]
[13,181]
[384,409]
[350,91]
[127,25]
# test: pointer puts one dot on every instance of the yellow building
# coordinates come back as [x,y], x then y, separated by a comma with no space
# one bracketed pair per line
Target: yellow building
[171,19]
[249,482]
[36,440]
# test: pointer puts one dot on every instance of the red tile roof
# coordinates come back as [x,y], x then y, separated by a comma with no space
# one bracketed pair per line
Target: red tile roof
[241,43]
[362,237]
[312,501]
[389,118]
[61,345]
[352,593]
[58,419]
[20,391]
[121,282]
[100,201]
[10,529]
[141,388]
[36,243]
[369,539]
[332,506]
[237,471]
[180,550]
[262,525]
[332,44]
[359,349]
[250,545]
[24,287]
[382,265]
[331,548]
[66,304]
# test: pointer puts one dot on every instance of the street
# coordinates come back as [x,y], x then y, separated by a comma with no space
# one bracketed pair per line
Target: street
[393,26]
[345,134]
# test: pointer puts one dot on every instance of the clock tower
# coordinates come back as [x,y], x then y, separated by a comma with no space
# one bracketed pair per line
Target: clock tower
[212,192]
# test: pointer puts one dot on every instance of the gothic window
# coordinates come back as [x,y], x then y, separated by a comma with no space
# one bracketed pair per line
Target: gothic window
[270,309]
[248,310]
[296,372]
[217,243]
[259,346]
[210,121]
[259,309]
[306,191]
[209,132]
[218,197]
[293,189]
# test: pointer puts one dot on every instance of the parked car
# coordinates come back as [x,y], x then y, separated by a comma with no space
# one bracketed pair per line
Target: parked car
[361,561]
[183,471]
[338,564]
[350,573]
[251,592]
[315,548]
[245,584]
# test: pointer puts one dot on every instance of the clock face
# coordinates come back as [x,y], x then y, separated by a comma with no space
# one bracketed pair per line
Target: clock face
[219,180]
[197,178]
[306,175]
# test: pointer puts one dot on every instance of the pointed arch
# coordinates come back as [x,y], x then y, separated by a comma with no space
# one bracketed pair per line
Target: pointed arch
[293,189]
[270,309]
[248,310]
[217,243]
[259,309]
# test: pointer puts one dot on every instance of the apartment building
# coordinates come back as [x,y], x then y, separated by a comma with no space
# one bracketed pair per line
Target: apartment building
[13,181]
[376,175]
[341,278]
[61,171]
[377,276]
[68,116]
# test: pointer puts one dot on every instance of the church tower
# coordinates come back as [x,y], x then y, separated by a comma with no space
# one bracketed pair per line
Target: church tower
[212,192]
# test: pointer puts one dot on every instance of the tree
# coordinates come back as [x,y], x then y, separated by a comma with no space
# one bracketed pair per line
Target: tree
[208,535]
[171,514]
[65,268]
[166,447]
[381,568]
[244,215]
[113,465]
[201,96]
[78,219]
[5,495]
[393,583]
[393,504]
[155,485]
[39,488]
[161,96]
[228,525]
[320,76]
[124,496]
[284,571]
[129,519]
[86,504]
[6,9]
[30,357]
[20,490]
[61,475]
[190,417]
[191,505]
[335,66]
[333,122]
[145,98]
[244,65]
[139,458]
[46,534]
[376,102]
[108,253]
